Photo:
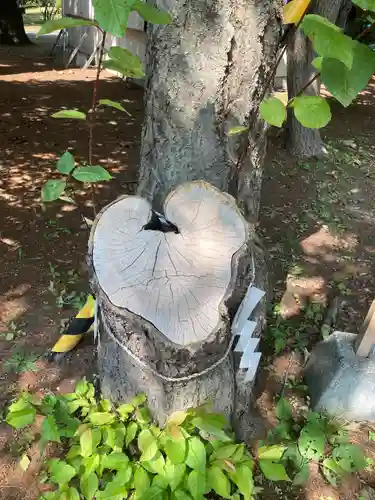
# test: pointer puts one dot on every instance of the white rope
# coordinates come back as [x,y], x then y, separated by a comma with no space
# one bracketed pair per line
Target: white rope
[193,376]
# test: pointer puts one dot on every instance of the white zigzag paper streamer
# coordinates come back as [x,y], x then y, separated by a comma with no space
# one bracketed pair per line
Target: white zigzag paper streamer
[244,328]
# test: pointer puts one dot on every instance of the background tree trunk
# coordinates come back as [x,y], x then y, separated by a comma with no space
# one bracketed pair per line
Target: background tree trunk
[206,74]
[303,142]
[12,30]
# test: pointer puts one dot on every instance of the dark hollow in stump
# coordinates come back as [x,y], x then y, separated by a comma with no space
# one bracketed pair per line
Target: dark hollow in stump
[12,30]
[167,288]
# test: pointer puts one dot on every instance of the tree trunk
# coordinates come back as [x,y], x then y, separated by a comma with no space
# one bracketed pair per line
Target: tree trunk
[304,142]
[206,74]
[12,30]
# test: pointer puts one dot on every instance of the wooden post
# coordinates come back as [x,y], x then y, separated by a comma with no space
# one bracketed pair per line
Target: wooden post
[366,336]
[167,286]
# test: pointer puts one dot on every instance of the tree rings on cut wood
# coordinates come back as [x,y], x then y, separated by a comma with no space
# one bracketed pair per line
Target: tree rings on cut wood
[165,284]
[173,272]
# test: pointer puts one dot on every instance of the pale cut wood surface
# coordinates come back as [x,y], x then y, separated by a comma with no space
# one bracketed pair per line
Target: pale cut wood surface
[177,282]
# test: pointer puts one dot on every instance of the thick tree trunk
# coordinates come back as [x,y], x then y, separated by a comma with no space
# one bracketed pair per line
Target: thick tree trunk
[206,74]
[12,30]
[303,142]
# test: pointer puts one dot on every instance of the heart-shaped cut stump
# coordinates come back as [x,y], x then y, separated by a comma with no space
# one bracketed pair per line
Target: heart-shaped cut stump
[173,271]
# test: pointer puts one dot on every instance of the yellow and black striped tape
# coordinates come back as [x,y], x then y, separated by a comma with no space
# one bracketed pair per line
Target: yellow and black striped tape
[81,324]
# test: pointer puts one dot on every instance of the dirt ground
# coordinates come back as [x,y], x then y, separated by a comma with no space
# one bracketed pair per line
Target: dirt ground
[316,220]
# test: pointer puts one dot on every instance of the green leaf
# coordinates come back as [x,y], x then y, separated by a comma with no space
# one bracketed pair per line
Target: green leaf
[22,418]
[176,450]
[224,452]
[124,62]
[61,472]
[365,4]
[142,416]
[105,405]
[273,471]
[196,456]
[93,173]
[113,491]
[152,14]
[327,39]
[65,22]
[332,471]
[154,493]
[174,474]
[283,409]
[196,483]
[180,495]
[24,462]
[71,494]
[177,418]
[302,475]
[131,432]
[49,430]
[349,457]
[346,84]
[317,63]
[124,475]
[149,452]
[89,485]
[156,465]
[125,410]
[112,15]
[139,399]
[218,481]
[311,442]
[114,461]
[273,111]
[91,464]
[145,440]
[268,458]
[209,426]
[86,441]
[53,189]
[72,114]
[311,111]
[82,387]
[66,163]
[237,130]
[75,451]
[25,400]
[243,478]
[109,437]
[113,104]
[141,481]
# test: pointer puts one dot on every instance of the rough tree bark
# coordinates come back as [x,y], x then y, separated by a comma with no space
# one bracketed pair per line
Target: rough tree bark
[12,30]
[206,74]
[301,141]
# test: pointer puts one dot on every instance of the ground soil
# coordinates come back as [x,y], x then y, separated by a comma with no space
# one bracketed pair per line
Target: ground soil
[316,219]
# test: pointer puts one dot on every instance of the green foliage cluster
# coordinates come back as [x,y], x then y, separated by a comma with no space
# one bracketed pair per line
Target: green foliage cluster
[314,437]
[293,333]
[116,452]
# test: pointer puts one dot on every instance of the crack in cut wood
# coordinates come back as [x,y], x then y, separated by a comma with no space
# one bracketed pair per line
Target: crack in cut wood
[159,223]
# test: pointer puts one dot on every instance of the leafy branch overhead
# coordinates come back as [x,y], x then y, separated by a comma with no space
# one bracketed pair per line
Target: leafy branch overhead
[344,65]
